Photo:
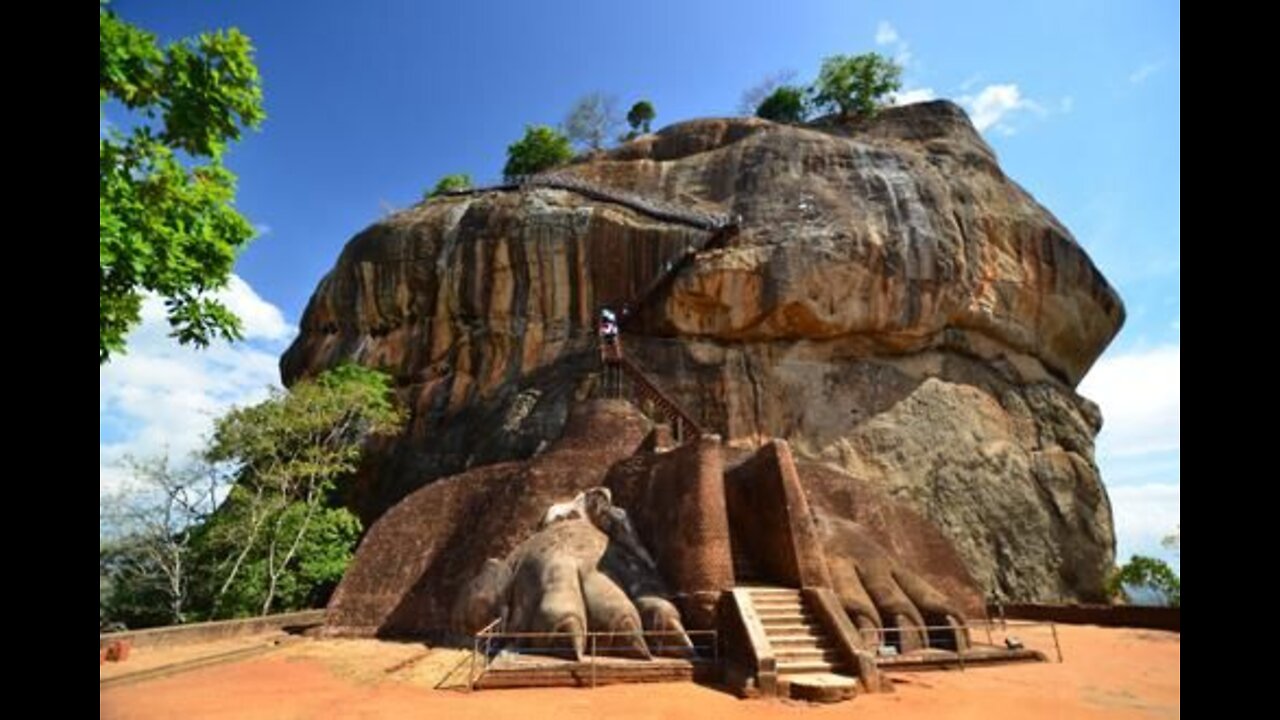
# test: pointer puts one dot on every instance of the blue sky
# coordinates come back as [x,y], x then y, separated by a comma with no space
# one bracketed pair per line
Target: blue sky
[369,103]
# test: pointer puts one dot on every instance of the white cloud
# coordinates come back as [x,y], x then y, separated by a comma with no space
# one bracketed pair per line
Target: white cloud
[914,95]
[1144,72]
[1149,511]
[1139,396]
[885,34]
[994,103]
[261,319]
[1138,448]
[1066,104]
[164,396]
[1144,515]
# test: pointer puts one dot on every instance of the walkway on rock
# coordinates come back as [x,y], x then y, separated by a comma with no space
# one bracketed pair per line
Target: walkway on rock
[660,209]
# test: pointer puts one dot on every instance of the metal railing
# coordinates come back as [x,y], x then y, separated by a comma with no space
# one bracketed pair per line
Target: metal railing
[484,636]
[880,636]
[659,209]
[488,644]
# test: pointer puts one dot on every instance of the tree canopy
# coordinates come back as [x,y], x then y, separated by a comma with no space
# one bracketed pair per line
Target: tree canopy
[640,116]
[1146,573]
[855,84]
[592,120]
[281,538]
[450,183]
[756,94]
[541,148]
[786,104]
[166,223]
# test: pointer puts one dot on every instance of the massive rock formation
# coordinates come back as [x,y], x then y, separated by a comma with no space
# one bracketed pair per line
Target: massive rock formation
[891,304]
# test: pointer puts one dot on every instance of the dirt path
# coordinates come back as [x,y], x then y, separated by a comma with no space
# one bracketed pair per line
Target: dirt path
[1108,673]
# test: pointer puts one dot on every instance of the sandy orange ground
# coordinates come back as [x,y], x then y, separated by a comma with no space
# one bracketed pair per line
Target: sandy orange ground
[1108,673]
[146,658]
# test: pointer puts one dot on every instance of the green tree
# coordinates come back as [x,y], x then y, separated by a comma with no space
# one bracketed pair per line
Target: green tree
[280,540]
[145,544]
[281,532]
[1149,574]
[450,183]
[592,119]
[640,116]
[166,223]
[754,95]
[855,84]
[540,148]
[785,105]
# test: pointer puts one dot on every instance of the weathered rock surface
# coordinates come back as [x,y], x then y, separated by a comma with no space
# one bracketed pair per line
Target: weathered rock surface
[891,304]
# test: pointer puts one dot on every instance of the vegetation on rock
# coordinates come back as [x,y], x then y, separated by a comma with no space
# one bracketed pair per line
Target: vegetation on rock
[640,117]
[592,119]
[540,149]
[855,85]
[786,104]
[450,183]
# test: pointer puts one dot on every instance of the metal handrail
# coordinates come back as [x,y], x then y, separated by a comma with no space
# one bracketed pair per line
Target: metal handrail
[883,632]
[489,636]
[650,206]
[472,677]
[665,402]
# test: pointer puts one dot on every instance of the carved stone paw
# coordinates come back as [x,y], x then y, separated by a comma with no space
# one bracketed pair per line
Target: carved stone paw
[570,578]
[887,602]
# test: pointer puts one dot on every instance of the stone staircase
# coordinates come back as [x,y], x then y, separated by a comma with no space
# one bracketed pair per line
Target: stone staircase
[806,661]
[799,642]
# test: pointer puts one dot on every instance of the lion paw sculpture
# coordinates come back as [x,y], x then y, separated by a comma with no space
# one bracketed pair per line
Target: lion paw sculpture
[584,570]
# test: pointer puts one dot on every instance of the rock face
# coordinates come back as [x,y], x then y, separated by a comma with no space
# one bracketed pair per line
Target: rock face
[891,304]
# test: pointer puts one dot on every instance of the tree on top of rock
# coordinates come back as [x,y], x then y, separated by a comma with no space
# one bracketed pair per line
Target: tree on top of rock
[450,183]
[641,116]
[541,148]
[857,84]
[592,119]
[785,105]
[756,94]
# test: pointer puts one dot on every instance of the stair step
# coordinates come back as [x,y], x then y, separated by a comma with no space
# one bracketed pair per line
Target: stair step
[785,618]
[806,654]
[806,666]
[783,610]
[814,639]
[756,592]
[790,629]
[821,687]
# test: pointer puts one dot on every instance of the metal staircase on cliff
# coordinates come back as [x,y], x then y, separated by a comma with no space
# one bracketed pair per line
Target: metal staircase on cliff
[644,388]
[618,367]
[718,228]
